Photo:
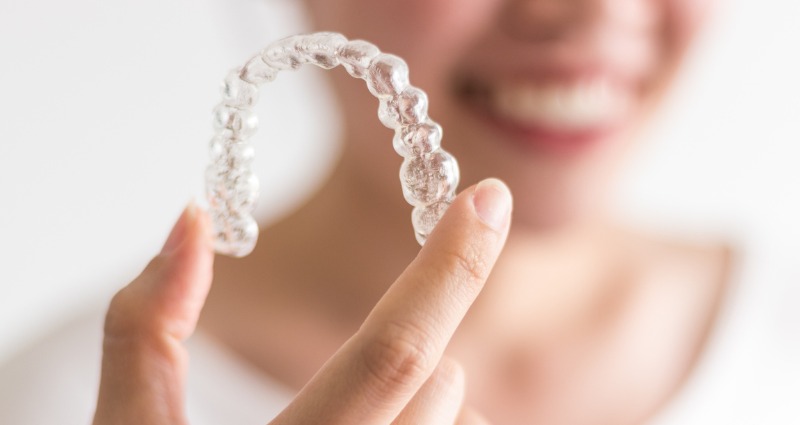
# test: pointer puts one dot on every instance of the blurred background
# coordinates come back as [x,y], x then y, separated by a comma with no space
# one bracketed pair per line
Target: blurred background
[105,110]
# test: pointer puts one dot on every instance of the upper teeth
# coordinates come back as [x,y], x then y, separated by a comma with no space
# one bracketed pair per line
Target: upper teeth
[561,105]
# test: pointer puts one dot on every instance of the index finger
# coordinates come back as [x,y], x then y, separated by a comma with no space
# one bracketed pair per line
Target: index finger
[374,375]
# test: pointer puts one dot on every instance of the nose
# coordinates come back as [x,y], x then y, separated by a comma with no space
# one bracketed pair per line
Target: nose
[543,20]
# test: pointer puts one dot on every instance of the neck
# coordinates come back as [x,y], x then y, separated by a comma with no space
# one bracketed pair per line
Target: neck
[350,238]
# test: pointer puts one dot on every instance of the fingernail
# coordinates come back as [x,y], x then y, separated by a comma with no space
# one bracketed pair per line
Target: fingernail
[492,201]
[179,230]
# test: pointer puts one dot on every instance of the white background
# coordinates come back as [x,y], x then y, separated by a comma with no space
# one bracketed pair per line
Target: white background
[105,116]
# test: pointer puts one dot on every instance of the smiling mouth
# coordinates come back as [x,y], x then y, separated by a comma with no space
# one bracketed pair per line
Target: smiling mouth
[555,116]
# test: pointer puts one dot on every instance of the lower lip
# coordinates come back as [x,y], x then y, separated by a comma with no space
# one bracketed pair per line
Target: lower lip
[541,139]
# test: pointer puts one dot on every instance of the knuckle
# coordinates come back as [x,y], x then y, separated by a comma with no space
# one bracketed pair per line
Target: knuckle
[450,374]
[129,327]
[130,312]
[398,358]
[121,319]
[467,264]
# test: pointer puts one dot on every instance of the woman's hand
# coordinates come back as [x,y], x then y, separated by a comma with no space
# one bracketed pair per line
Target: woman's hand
[390,372]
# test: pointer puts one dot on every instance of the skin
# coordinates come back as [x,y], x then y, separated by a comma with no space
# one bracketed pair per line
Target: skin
[390,371]
[564,330]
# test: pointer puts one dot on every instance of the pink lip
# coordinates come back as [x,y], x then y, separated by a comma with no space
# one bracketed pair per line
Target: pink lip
[541,139]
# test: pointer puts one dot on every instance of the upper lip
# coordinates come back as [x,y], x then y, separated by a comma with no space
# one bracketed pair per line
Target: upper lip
[627,60]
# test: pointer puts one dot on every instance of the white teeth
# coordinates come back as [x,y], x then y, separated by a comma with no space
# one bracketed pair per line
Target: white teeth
[574,106]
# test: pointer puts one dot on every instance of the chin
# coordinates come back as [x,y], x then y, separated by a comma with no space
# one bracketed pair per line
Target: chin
[548,217]
[563,198]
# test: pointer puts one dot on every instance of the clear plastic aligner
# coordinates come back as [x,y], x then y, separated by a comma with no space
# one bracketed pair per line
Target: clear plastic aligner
[429,175]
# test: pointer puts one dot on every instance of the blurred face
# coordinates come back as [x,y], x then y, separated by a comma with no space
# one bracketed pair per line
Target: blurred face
[544,94]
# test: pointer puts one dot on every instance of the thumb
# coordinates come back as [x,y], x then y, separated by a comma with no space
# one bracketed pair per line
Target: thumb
[144,362]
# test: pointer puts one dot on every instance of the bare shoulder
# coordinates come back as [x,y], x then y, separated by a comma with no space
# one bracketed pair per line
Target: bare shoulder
[690,274]
[685,279]
[696,260]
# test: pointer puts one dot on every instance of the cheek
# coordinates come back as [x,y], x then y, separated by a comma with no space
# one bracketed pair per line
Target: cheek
[681,20]
[678,24]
